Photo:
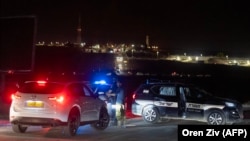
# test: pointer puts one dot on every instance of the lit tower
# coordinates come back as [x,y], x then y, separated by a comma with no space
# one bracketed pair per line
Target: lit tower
[147,42]
[79,32]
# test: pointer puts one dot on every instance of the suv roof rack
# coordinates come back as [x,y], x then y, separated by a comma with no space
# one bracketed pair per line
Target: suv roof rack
[153,81]
[161,81]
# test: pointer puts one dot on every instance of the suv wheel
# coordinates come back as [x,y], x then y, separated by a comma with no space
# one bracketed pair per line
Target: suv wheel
[216,118]
[72,125]
[151,115]
[103,121]
[18,128]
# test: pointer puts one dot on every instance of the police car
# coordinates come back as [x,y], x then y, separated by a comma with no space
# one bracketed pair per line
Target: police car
[156,100]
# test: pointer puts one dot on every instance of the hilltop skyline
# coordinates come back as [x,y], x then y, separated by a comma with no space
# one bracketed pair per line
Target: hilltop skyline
[192,25]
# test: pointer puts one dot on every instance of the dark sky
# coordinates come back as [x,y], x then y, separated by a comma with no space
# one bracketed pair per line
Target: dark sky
[209,25]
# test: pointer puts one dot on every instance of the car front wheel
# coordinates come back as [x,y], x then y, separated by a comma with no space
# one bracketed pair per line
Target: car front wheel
[216,118]
[72,125]
[103,121]
[151,115]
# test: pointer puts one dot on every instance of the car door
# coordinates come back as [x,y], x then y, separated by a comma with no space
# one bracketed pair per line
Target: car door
[166,100]
[195,103]
[182,107]
[78,99]
[91,103]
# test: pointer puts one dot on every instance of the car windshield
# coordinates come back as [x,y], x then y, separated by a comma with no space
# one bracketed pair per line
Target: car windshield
[46,88]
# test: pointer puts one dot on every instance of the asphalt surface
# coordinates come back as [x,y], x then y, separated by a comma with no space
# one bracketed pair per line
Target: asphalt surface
[4,115]
[135,129]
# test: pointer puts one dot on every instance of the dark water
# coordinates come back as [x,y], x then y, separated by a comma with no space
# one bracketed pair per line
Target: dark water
[226,81]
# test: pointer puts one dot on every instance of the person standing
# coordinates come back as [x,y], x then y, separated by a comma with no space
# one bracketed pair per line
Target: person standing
[119,103]
[111,102]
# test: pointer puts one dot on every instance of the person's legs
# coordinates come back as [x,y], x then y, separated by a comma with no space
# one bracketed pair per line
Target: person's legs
[109,107]
[120,115]
[111,114]
[114,115]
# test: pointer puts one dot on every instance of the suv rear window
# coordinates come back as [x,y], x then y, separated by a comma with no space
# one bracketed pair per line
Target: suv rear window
[164,90]
[47,88]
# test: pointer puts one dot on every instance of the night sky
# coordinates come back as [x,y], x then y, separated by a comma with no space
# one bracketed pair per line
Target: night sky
[206,25]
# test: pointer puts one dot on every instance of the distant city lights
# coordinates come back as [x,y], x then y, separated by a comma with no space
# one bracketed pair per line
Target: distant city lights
[134,49]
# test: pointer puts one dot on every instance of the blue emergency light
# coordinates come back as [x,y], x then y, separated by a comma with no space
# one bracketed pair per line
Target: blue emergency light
[100,82]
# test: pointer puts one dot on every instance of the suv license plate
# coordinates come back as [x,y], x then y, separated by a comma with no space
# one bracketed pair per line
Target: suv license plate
[37,104]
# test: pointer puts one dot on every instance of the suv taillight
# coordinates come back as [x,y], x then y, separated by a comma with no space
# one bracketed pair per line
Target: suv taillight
[14,96]
[59,99]
[133,96]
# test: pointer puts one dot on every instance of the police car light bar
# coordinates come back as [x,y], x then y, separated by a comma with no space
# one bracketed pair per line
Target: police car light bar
[101,82]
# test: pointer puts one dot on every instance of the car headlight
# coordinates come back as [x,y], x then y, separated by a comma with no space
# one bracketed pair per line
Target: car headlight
[230,104]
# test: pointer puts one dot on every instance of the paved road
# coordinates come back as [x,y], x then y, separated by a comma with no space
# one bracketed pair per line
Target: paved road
[136,129]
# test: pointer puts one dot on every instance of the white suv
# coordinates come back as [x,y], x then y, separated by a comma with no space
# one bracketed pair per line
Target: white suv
[67,104]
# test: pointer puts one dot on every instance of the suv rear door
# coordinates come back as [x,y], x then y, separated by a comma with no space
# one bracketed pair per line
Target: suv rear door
[166,99]
[93,102]
[85,99]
